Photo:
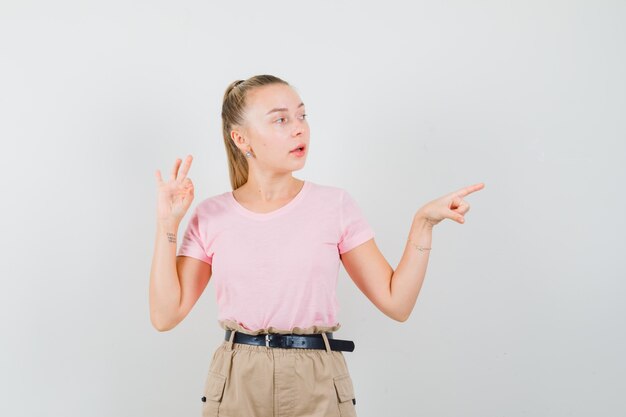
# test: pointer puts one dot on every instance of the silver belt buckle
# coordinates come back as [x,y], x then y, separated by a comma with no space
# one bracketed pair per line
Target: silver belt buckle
[267,340]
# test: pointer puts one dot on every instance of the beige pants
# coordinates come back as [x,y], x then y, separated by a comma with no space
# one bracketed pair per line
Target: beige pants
[259,381]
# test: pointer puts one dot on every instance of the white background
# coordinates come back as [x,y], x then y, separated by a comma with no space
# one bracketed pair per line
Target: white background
[521,312]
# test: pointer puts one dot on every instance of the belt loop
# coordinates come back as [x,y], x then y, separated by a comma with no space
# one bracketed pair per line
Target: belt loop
[325,337]
[231,340]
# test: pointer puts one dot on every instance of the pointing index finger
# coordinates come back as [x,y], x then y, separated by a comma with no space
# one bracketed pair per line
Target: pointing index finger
[472,188]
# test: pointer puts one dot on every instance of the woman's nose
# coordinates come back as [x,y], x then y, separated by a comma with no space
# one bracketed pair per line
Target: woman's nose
[299,128]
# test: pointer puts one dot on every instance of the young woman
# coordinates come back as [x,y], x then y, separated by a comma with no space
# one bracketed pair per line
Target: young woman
[273,246]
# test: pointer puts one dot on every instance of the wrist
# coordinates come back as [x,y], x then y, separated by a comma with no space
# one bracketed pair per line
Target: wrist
[420,246]
[420,235]
[422,221]
[167,225]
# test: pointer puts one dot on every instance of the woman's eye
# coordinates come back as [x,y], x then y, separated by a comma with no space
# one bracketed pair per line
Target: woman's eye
[282,118]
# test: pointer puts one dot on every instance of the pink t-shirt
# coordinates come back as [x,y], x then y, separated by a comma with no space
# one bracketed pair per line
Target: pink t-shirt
[277,269]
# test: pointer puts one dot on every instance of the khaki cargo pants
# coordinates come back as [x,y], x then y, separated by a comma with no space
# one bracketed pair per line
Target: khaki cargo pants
[259,381]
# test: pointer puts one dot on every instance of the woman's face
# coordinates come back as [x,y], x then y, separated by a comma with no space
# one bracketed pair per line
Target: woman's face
[275,125]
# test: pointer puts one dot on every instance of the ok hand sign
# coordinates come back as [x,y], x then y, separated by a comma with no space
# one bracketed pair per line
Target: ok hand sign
[176,195]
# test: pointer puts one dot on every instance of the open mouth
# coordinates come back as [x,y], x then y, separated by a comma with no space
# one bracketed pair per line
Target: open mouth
[299,148]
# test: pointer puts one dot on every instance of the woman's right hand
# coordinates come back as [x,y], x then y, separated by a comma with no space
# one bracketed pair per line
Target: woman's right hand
[174,196]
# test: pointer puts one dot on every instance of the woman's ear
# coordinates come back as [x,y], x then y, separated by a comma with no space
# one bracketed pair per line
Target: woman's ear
[238,139]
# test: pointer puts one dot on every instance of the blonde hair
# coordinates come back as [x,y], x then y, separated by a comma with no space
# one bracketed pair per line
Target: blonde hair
[233,113]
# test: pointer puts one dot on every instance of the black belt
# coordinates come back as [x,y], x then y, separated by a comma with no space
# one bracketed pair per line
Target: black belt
[301,341]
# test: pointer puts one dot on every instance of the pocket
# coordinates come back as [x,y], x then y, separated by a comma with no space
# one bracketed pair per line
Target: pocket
[345,395]
[213,392]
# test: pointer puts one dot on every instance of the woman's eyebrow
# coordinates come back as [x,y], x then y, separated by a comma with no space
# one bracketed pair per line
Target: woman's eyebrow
[282,109]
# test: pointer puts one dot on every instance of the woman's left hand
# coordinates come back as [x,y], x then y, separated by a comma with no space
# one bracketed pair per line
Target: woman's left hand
[450,206]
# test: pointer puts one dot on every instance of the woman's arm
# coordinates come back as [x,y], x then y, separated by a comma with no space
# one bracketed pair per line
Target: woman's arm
[408,277]
[395,292]
[176,282]
[164,282]
[392,292]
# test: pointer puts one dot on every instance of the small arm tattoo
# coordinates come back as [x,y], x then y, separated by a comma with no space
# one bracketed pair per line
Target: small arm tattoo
[171,237]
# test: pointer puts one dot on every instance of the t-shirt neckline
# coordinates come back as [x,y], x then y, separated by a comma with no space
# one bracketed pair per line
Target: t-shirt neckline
[271,214]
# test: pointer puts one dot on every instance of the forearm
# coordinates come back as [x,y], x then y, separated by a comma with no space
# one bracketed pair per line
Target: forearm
[164,282]
[407,279]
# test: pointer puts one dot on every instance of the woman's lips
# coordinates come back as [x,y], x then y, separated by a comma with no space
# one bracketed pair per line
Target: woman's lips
[298,149]
[298,152]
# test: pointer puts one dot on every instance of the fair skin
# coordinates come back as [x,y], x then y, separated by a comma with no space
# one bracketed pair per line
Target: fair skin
[394,292]
[270,134]
[176,283]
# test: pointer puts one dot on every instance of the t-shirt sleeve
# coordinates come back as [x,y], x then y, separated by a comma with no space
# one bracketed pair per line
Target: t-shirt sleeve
[355,229]
[192,242]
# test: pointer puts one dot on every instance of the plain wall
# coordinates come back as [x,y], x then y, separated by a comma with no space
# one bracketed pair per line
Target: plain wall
[521,312]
